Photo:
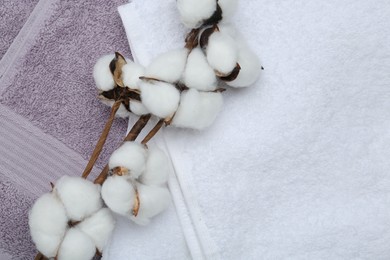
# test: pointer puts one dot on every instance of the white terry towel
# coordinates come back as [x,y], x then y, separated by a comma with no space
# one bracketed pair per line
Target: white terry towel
[297,166]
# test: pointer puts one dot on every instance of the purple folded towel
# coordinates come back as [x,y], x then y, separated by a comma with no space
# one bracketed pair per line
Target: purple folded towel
[50,118]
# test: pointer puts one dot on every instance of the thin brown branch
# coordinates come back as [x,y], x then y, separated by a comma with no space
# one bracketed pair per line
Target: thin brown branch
[131,136]
[103,137]
[39,256]
[153,132]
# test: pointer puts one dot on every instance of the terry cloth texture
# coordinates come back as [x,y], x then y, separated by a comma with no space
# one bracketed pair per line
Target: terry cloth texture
[50,118]
[297,166]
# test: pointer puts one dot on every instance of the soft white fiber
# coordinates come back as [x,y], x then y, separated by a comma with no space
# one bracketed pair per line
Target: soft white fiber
[138,108]
[130,155]
[222,52]
[121,112]
[131,73]
[153,200]
[228,7]
[101,73]
[168,66]
[250,66]
[197,110]
[198,74]
[194,12]
[160,98]
[118,194]
[99,227]
[76,246]
[157,168]
[80,197]
[48,223]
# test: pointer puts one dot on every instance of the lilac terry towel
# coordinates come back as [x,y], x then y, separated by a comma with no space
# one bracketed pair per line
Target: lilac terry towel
[50,118]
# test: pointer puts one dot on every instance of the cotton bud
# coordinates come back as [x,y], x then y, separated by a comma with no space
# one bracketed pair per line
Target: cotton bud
[131,73]
[168,66]
[48,223]
[129,159]
[76,246]
[80,197]
[101,73]
[160,98]
[157,168]
[222,52]
[153,200]
[193,13]
[198,74]
[197,110]
[138,108]
[119,194]
[250,67]
[98,227]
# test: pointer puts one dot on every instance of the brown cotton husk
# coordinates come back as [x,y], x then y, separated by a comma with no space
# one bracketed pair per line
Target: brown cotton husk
[116,68]
[192,39]
[120,171]
[137,203]
[204,37]
[215,17]
[232,76]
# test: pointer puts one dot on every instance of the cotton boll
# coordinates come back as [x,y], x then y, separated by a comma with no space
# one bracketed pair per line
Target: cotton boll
[250,67]
[119,195]
[222,52]
[168,66]
[76,246]
[228,8]
[130,155]
[131,73]
[121,112]
[160,98]
[153,200]
[198,74]
[157,168]
[80,197]
[197,110]
[101,73]
[99,227]
[138,108]
[194,12]
[48,223]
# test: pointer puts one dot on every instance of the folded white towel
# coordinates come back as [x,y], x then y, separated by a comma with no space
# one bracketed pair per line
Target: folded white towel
[297,166]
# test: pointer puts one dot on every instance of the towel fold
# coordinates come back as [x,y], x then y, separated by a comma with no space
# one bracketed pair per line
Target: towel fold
[295,167]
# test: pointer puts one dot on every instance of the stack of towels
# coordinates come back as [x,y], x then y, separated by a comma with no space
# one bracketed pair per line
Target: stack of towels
[295,167]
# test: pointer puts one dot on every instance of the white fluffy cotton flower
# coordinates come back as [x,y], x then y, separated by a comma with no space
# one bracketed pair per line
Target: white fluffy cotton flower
[250,66]
[119,194]
[138,108]
[160,98]
[153,200]
[99,227]
[130,155]
[80,197]
[130,74]
[157,168]
[197,110]
[76,246]
[194,12]
[198,74]
[222,52]
[48,223]
[101,73]
[168,66]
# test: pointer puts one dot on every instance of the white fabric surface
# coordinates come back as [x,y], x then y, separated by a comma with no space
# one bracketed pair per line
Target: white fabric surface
[296,167]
